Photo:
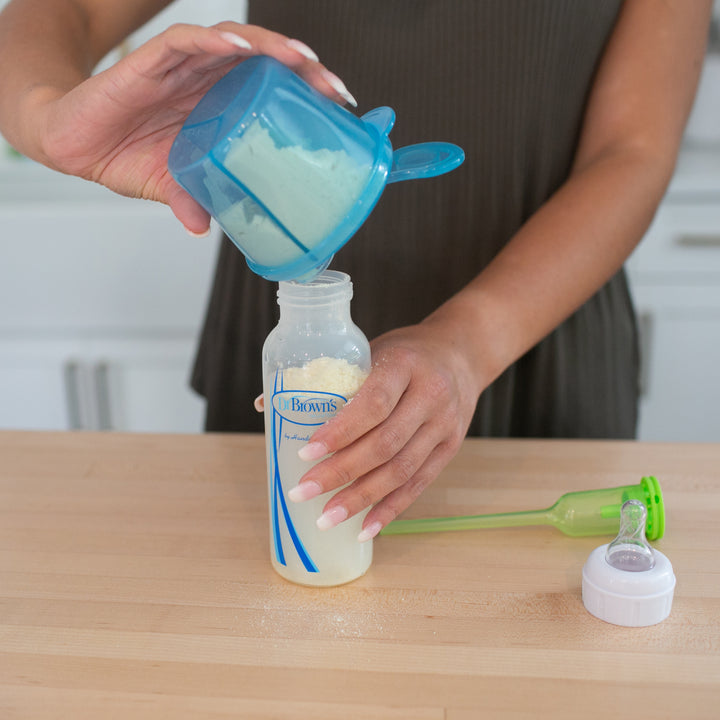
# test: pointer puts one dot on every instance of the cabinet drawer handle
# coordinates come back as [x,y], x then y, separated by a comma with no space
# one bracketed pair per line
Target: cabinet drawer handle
[102,389]
[71,372]
[698,240]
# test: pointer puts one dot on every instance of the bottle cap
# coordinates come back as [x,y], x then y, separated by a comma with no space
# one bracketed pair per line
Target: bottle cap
[626,582]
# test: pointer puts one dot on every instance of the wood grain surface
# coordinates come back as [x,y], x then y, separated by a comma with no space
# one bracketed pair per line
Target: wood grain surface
[135,582]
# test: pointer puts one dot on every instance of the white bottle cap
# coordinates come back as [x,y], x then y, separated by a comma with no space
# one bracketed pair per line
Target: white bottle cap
[627,582]
[622,597]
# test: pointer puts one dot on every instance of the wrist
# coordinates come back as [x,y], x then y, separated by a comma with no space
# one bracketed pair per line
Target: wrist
[480,341]
[458,324]
[28,135]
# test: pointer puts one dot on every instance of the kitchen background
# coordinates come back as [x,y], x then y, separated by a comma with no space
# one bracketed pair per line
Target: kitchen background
[102,297]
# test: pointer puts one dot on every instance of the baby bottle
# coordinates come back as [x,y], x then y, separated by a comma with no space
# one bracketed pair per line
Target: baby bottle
[314,361]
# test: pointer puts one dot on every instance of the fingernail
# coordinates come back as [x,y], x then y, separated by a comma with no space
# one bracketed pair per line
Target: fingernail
[369,532]
[236,40]
[203,234]
[339,87]
[303,49]
[259,403]
[331,518]
[312,451]
[304,491]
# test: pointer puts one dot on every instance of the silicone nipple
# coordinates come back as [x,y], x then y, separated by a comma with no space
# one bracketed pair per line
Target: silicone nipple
[630,550]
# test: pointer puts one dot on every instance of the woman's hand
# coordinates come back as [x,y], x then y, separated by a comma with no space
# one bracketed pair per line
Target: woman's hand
[116,127]
[395,436]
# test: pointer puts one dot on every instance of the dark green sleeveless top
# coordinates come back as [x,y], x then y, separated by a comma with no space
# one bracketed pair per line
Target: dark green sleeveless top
[507,80]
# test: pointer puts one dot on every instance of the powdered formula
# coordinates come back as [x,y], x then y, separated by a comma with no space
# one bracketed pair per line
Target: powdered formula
[308,192]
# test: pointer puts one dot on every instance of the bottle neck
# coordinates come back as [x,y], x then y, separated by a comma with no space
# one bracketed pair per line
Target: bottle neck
[325,299]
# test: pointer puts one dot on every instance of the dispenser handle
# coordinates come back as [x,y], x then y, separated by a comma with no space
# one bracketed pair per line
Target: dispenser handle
[424,160]
[381,118]
[411,162]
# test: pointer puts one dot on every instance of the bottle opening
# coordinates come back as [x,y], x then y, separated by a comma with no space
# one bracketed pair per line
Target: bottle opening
[328,286]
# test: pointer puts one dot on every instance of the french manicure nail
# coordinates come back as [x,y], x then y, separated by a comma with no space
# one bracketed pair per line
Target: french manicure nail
[339,87]
[303,49]
[236,40]
[312,451]
[203,234]
[331,518]
[304,491]
[259,402]
[369,532]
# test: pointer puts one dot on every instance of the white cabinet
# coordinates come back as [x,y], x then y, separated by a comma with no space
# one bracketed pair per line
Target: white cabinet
[101,297]
[33,388]
[675,280]
[134,384]
[101,303]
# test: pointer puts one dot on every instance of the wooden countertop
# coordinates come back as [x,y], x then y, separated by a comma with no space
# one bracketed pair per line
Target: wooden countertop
[135,582]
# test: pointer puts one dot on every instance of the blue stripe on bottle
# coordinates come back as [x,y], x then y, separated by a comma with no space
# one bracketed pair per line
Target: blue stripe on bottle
[297,542]
[277,540]
[278,493]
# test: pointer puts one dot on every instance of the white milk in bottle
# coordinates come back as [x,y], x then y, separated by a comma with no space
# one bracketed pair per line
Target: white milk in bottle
[314,361]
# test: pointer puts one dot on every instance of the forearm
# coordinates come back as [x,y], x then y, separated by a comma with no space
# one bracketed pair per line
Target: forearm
[47,47]
[567,250]
[574,243]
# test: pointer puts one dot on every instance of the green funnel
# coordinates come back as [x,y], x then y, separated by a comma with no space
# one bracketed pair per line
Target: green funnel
[578,514]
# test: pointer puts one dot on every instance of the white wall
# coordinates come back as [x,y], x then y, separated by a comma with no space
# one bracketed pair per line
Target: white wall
[196,12]
[200,12]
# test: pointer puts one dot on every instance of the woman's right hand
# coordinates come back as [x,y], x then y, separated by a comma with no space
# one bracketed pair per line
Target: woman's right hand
[116,127]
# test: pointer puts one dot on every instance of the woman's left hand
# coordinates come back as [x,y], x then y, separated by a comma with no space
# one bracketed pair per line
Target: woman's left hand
[400,430]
